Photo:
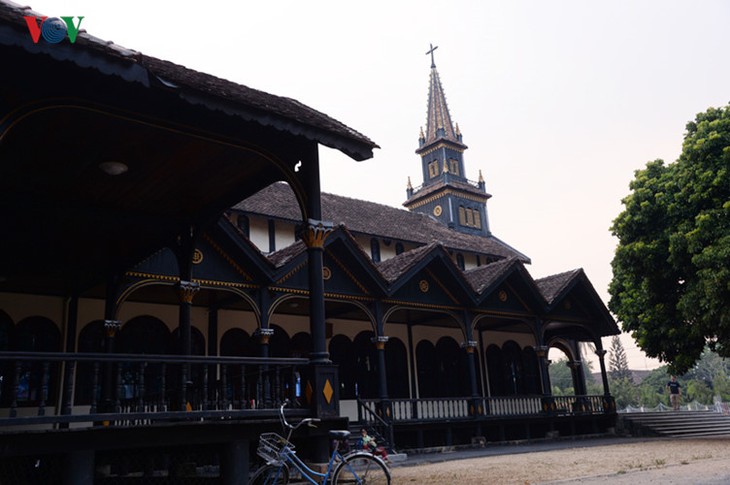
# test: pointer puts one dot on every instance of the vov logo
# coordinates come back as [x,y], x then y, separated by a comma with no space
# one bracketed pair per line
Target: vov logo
[53,29]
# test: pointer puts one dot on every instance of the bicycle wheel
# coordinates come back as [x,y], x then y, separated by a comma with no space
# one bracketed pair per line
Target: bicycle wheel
[270,475]
[361,469]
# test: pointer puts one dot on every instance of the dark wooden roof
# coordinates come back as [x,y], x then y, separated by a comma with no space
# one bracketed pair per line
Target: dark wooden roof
[482,277]
[192,146]
[195,87]
[553,286]
[393,268]
[375,219]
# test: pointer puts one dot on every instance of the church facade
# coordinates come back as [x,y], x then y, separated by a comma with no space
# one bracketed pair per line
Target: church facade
[431,317]
[154,312]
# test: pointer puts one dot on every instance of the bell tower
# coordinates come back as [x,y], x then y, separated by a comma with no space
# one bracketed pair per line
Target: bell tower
[446,193]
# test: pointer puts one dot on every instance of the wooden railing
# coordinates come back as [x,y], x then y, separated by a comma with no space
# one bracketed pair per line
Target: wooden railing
[127,389]
[462,408]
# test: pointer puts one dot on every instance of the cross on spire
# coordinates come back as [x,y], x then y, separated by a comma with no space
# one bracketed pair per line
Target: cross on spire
[430,51]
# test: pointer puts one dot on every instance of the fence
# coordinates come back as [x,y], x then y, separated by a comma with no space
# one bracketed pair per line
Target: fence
[123,389]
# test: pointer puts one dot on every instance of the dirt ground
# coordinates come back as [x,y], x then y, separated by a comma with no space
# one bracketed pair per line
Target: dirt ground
[580,462]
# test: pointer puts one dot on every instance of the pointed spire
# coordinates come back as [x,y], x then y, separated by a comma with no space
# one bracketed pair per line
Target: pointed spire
[481,178]
[409,186]
[438,124]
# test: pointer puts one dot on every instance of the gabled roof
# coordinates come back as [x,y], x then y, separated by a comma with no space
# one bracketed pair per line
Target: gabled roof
[553,286]
[561,288]
[370,218]
[283,256]
[395,267]
[482,277]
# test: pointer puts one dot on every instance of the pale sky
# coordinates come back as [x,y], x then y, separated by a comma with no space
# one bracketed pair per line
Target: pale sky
[559,101]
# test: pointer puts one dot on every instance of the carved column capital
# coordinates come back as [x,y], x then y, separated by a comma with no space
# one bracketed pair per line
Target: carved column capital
[380,341]
[111,327]
[542,351]
[470,346]
[600,353]
[314,233]
[187,290]
[265,334]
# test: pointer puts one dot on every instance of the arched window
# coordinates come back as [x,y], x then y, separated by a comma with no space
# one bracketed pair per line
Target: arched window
[36,384]
[91,339]
[7,337]
[301,345]
[462,215]
[146,335]
[396,367]
[235,342]
[342,353]
[495,364]
[477,218]
[279,343]
[197,342]
[427,364]
[375,250]
[366,365]
[449,374]
[513,368]
[531,371]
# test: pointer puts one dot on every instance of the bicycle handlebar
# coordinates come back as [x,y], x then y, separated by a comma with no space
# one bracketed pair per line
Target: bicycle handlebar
[285,424]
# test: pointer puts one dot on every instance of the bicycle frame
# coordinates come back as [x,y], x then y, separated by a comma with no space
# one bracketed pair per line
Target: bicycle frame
[289,457]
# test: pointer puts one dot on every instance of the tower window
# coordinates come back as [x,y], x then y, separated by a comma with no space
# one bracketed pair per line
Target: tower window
[454,166]
[470,217]
[433,169]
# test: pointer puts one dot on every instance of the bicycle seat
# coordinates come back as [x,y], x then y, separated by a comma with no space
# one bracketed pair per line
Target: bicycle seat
[339,434]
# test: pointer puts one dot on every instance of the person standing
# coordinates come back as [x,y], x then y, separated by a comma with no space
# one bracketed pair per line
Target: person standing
[675,392]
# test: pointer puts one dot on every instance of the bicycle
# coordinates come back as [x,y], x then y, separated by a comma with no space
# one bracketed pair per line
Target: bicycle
[357,467]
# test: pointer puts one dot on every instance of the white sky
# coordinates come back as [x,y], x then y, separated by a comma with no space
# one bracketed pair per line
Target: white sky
[559,101]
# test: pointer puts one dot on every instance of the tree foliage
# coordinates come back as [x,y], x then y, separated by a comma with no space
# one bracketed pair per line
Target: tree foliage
[618,363]
[671,271]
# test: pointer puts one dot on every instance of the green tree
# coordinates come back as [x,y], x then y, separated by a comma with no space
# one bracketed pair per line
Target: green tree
[618,363]
[699,391]
[625,392]
[561,377]
[671,271]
